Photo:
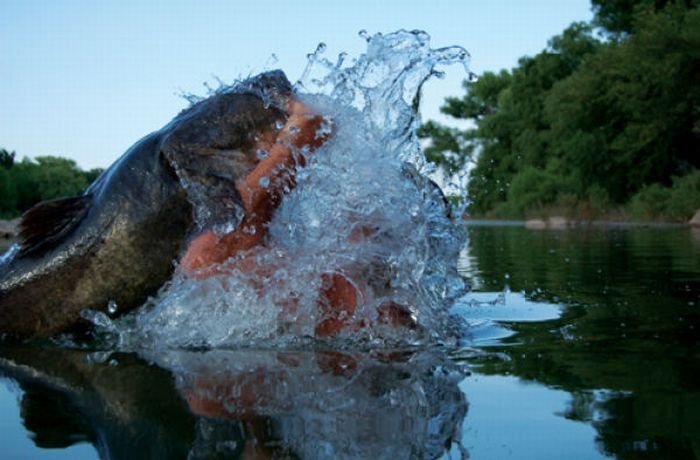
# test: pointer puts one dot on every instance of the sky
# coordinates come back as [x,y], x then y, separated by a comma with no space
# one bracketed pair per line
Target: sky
[87,79]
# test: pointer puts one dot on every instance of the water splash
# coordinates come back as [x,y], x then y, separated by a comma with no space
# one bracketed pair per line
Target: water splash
[384,84]
[362,207]
[325,404]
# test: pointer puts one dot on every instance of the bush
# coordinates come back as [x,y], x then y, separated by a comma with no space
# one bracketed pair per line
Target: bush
[685,196]
[650,202]
[533,189]
[8,195]
[24,183]
[678,202]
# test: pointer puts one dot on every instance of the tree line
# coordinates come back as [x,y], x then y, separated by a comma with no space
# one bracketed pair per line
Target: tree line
[605,120]
[24,183]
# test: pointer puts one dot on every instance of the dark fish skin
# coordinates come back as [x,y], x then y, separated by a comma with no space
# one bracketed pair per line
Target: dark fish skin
[119,241]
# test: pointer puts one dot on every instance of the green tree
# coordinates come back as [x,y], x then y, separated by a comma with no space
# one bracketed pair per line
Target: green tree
[92,174]
[24,176]
[24,183]
[619,16]
[586,122]
[507,110]
[57,177]
[630,116]
[7,159]
[8,195]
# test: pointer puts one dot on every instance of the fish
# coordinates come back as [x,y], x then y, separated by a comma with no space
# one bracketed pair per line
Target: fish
[115,245]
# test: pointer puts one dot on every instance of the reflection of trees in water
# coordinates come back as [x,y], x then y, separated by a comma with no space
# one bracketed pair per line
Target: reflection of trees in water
[590,266]
[226,404]
[631,326]
[640,426]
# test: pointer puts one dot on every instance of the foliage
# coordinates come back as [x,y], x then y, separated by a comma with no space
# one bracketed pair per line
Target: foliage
[92,174]
[25,183]
[677,202]
[627,118]
[532,188]
[7,159]
[586,120]
[57,177]
[8,194]
[618,16]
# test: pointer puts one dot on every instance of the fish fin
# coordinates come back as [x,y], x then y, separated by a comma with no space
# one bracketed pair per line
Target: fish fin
[47,223]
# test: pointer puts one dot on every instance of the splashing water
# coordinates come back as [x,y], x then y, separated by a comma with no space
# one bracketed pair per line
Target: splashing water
[384,84]
[362,207]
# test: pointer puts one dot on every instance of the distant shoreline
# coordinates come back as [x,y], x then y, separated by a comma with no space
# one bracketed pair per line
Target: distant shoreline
[562,223]
[9,228]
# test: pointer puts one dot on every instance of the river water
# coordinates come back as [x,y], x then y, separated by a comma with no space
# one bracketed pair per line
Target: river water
[615,372]
[580,344]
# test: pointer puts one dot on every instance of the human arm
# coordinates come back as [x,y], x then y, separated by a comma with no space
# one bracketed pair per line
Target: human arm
[261,190]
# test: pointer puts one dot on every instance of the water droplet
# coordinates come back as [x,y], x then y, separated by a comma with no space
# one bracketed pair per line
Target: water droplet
[264,181]
[112,307]
[364,34]
[273,60]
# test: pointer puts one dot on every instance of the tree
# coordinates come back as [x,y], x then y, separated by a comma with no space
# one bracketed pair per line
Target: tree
[24,177]
[585,121]
[7,159]
[507,110]
[24,183]
[8,194]
[92,174]
[629,117]
[619,16]
[59,177]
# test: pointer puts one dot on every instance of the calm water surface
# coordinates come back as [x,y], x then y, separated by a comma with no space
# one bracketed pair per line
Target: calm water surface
[616,374]
[582,344]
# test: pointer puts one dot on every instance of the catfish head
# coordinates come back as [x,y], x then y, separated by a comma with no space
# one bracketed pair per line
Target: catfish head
[219,140]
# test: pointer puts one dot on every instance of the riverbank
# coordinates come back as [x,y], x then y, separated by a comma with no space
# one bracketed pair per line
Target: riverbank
[9,229]
[561,222]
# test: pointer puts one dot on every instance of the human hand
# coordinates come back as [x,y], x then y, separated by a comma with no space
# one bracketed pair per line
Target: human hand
[305,127]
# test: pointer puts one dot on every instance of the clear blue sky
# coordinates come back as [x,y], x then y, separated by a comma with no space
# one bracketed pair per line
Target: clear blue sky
[86,79]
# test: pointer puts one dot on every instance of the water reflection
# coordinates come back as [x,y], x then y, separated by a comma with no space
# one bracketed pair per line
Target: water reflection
[592,351]
[626,345]
[247,403]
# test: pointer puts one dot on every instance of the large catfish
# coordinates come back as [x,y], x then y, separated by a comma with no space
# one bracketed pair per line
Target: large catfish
[118,242]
